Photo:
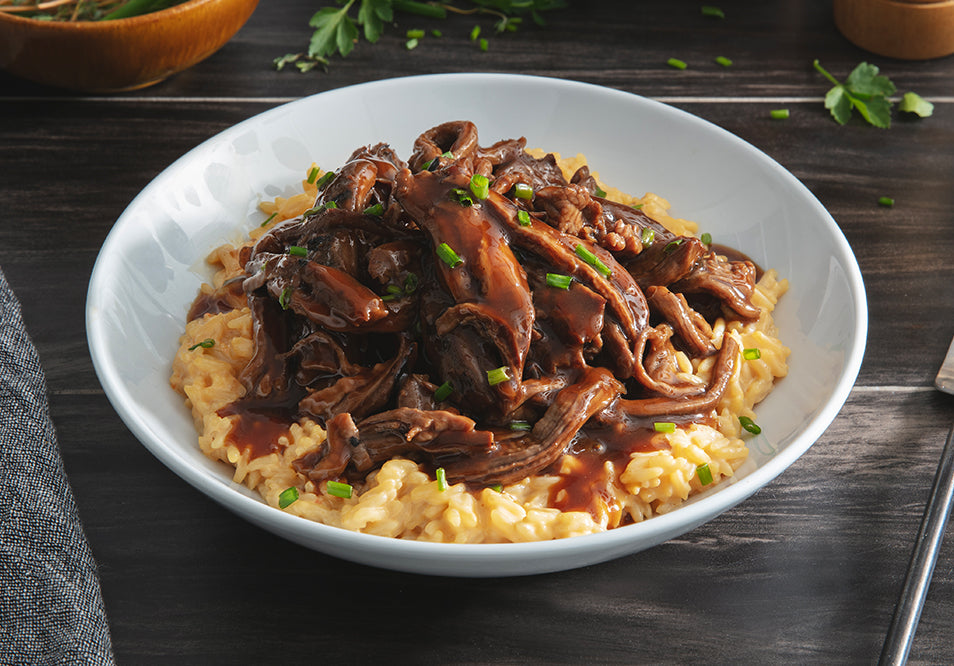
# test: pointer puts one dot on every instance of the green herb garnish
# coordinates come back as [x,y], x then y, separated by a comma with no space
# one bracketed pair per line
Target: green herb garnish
[520,425]
[522,191]
[270,218]
[441,476]
[751,354]
[722,60]
[313,175]
[377,210]
[325,179]
[337,29]
[498,375]
[864,90]
[647,236]
[462,197]
[914,103]
[442,392]
[749,425]
[592,260]
[480,186]
[706,238]
[523,218]
[676,63]
[287,497]
[297,251]
[704,474]
[714,12]
[208,343]
[285,298]
[664,426]
[779,114]
[885,201]
[448,256]
[339,489]
[559,281]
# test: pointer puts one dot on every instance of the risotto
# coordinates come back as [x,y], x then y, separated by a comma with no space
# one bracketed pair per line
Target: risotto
[477,345]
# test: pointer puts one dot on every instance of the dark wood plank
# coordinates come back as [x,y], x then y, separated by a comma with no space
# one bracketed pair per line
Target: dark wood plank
[617,43]
[807,568]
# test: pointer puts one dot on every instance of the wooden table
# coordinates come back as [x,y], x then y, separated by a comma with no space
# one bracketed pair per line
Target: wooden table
[807,570]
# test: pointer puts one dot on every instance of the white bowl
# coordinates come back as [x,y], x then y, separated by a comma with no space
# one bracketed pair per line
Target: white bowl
[151,265]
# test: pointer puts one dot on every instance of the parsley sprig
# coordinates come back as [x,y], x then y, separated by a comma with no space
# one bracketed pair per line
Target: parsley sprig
[868,91]
[338,29]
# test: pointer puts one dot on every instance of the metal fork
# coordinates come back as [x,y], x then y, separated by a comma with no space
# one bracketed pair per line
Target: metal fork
[897,644]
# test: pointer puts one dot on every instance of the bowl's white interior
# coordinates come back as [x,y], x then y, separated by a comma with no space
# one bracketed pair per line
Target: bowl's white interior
[151,265]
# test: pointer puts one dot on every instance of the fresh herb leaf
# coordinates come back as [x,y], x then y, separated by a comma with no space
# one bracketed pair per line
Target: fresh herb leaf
[914,103]
[336,28]
[865,90]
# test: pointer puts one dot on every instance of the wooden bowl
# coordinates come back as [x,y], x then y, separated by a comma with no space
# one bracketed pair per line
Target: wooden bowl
[124,54]
[905,29]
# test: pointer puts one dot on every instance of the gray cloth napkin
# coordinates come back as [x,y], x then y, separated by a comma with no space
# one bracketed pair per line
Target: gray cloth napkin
[51,609]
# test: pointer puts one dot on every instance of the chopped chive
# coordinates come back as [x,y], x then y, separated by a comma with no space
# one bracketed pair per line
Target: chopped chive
[208,343]
[442,392]
[377,210]
[672,245]
[523,217]
[522,191]
[448,154]
[520,425]
[414,34]
[497,488]
[749,425]
[411,44]
[475,33]
[331,204]
[704,474]
[387,298]
[647,236]
[462,197]
[484,44]
[676,63]
[480,186]
[779,114]
[715,12]
[886,202]
[600,192]
[298,251]
[270,218]
[559,281]
[637,206]
[725,62]
[441,479]
[285,297]
[287,497]
[313,175]
[751,354]
[592,260]
[664,426]
[325,179]
[394,289]
[437,33]
[498,375]
[410,283]
[706,238]
[339,489]
[313,211]
[428,164]
[448,256]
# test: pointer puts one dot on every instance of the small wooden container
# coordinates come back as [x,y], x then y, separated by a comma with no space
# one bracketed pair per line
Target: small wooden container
[905,29]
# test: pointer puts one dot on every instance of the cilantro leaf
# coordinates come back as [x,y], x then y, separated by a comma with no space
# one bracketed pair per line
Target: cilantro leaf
[914,103]
[839,103]
[877,110]
[864,80]
[332,31]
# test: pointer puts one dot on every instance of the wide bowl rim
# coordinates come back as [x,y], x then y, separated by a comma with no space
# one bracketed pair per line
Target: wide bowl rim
[336,540]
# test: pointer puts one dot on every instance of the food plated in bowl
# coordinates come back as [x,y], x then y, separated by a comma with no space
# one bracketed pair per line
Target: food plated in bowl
[151,267]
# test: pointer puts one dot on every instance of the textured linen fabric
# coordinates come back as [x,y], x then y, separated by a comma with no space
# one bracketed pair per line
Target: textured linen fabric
[51,608]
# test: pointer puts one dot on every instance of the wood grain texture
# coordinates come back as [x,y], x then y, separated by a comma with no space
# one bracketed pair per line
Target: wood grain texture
[808,569]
